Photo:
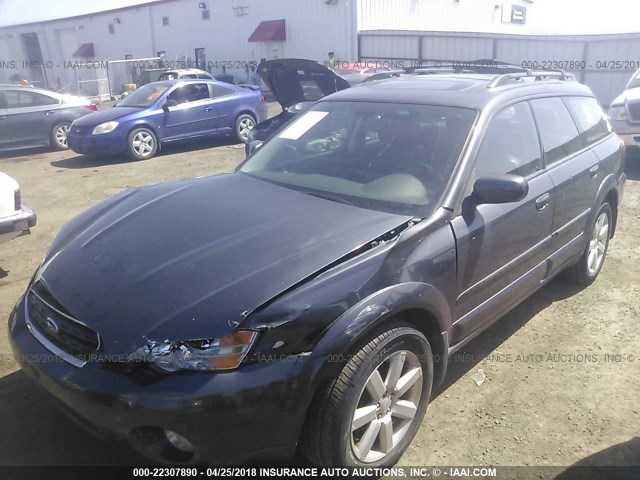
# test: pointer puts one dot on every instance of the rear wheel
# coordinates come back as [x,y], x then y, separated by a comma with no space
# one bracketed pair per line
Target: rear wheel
[244,124]
[141,144]
[59,134]
[370,413]
[588,267]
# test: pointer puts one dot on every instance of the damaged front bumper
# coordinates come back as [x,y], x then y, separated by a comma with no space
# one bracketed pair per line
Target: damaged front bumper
[256,411]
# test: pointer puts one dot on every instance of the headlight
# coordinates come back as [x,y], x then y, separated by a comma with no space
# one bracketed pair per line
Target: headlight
[206,355]
[104,128]
[618,112]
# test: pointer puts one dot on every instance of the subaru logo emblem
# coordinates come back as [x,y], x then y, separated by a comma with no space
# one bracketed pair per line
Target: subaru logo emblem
[51,326]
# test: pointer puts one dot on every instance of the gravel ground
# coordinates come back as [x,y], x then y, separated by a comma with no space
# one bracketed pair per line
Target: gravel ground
[559,372]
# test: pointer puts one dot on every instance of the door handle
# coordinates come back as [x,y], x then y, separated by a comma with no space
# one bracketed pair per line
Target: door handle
[3,117]
[50,112]
[593,171]
[542,202]
[208,109]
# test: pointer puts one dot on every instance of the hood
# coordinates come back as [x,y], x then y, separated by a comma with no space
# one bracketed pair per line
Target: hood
[630,95]
[102,116]
[191,259]
[295,80]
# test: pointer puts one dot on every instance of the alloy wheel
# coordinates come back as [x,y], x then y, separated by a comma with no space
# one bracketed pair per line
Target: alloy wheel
[387,407]
[61,135]
[598,243]
[143,144]
[244,127]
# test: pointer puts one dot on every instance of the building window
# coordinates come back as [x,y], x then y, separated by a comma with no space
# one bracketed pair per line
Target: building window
[206,14]
[111,28]
[165,21]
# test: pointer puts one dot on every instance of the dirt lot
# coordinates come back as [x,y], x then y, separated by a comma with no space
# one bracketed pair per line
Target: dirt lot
[553,395]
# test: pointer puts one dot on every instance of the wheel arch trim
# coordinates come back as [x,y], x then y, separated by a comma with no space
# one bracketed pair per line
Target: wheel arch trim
[419,304]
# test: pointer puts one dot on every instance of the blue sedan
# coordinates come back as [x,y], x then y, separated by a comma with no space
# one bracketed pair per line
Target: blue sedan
[162,112]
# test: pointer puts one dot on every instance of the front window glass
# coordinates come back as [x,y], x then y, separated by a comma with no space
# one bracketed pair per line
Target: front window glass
[383,156]
[191,92]
[143,97]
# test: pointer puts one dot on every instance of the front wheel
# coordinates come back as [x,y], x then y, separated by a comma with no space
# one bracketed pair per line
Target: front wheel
[141,144]
[588,267]
[244,124]
[370,413]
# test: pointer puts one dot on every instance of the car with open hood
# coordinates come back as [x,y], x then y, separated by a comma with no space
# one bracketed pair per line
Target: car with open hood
[295,84]
[168,111]
[309,301]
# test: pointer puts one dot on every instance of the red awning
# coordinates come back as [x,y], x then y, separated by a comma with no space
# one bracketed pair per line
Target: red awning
[269,31]
[84,51]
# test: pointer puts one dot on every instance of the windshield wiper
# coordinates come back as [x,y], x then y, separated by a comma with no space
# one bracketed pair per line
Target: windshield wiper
[329,196]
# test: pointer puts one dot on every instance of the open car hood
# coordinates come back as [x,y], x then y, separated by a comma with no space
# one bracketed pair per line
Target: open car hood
[295,80]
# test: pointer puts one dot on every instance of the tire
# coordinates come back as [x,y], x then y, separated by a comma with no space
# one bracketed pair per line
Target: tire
[142,144]
[58,136]
[327,437]
[243,124]
[588,267]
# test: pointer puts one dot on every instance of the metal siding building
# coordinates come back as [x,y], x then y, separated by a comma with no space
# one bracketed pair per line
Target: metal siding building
[355,29]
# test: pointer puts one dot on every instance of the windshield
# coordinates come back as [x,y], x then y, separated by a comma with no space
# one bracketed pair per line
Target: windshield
[635,81]
[143,97]
[383,156]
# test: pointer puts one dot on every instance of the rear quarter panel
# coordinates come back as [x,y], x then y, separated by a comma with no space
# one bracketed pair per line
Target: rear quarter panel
[242,102]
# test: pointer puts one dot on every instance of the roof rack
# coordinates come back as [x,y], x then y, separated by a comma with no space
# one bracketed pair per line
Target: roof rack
[472,66]
[537,75]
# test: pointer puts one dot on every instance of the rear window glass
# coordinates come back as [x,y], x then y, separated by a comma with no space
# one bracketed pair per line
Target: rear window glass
[221,91]
[22,99]
[560,137]
[510,144]
[590,118]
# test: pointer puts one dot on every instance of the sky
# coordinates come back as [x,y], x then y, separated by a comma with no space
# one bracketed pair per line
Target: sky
[13,12]
[581,17]
[544,16]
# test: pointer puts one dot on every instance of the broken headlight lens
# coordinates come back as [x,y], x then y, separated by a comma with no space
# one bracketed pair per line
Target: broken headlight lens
[226,353]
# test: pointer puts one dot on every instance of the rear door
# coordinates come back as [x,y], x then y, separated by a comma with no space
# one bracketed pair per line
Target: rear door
[193,116]
[502,249]
[30,116]
[574,169]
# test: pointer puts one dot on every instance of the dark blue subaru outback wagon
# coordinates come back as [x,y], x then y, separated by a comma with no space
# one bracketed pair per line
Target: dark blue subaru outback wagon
[310,299]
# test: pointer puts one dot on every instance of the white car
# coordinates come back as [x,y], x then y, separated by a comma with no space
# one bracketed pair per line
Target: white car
[15,218]
[624,113]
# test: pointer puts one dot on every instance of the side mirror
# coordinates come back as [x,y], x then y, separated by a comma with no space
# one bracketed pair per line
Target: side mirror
[169,103]
[500,189]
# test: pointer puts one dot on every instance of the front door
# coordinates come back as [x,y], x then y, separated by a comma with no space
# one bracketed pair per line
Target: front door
[194,113]
[502,248]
